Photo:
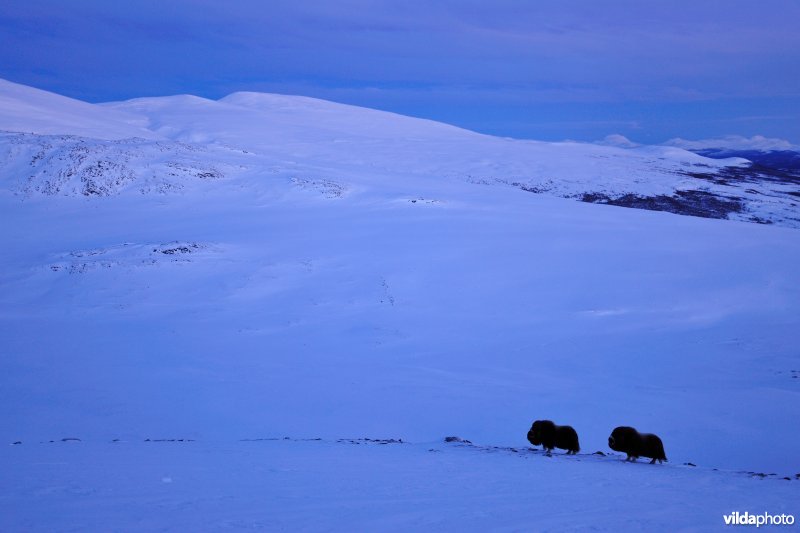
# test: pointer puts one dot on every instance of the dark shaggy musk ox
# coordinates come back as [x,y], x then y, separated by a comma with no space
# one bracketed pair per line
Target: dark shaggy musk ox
[549,436]
[635,444]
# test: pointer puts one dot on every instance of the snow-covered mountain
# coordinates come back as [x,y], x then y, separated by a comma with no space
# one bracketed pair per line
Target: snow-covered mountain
[186,282]
[289,134]
[29,110]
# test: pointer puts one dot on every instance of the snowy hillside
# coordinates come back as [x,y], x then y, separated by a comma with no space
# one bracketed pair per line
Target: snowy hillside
[29,110]
[68,165]
[321,140]
[174,304]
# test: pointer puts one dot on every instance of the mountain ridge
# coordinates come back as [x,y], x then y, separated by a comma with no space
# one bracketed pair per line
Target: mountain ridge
[249,133]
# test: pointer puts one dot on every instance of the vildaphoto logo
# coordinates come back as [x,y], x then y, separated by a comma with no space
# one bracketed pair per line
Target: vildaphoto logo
[746,519]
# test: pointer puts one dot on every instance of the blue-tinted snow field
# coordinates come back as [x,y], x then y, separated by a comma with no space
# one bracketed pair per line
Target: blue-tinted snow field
[184,283]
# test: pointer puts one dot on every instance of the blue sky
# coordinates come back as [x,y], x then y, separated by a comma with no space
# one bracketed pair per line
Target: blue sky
[550,70]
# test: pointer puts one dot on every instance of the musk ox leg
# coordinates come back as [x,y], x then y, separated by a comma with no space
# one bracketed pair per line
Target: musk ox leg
[653,461]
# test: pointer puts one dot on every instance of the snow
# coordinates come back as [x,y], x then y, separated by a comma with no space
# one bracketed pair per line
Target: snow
[366,486]
[293,131]
[616,139]
[68,165]
[29,110]
[353,274]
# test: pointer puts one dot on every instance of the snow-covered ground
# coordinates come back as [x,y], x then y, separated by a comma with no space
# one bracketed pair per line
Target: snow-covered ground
[269,266]
[356,485]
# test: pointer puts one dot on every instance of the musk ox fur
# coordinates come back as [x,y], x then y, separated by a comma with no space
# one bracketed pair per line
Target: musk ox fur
[628,440]
[549,436]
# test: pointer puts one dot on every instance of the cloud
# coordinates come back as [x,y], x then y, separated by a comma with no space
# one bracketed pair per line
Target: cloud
[613,50]
[476,63]
[734,142]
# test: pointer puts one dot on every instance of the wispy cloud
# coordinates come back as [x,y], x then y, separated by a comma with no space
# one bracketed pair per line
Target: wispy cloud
[735,142]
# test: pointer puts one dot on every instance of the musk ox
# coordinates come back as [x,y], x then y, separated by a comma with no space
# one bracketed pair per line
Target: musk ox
[635,444]
[549,436]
